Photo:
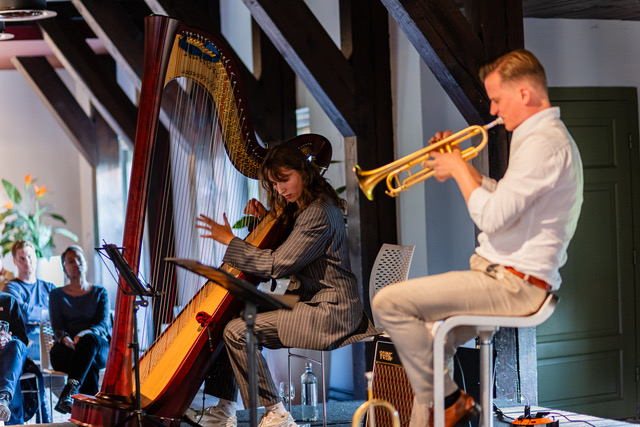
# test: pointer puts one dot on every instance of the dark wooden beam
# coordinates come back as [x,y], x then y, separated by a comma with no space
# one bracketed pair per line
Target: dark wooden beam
[499,23]
[273,95]
[100,81]
[365,39]
[312,55]
[122,38]
[200,14]
[452,50]
[55,95]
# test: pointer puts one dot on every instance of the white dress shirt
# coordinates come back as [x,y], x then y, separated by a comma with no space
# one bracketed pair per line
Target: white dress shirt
[529,216]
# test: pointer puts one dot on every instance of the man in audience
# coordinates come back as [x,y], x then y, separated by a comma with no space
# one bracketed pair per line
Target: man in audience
[32,296]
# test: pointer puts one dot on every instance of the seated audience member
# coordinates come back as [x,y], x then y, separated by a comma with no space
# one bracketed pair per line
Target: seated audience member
[79,316]
[31,293]
[13,352]
[32,296]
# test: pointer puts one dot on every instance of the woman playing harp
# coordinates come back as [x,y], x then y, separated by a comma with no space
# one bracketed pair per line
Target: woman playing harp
[316,258]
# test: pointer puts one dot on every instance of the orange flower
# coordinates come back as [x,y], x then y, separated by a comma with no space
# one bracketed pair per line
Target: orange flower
[27,179]
[8,205]
[40,191]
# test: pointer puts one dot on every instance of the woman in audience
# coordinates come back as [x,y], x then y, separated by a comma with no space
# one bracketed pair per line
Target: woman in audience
[79,316]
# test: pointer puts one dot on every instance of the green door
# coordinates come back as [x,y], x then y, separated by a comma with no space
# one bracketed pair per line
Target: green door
[587,350]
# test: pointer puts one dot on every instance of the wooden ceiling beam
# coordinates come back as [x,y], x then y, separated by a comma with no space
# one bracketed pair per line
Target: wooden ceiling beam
[203,15]
[64,107]
[87,68]
[118,33]
[312,55]
[445,41]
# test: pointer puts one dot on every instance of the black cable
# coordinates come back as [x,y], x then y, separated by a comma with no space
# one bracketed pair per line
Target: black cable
[570,420]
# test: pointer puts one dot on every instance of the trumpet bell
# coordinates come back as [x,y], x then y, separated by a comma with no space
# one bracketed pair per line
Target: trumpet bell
[367,180]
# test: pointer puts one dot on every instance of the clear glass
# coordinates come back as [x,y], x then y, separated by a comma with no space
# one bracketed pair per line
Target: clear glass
[282,392]
[309,394]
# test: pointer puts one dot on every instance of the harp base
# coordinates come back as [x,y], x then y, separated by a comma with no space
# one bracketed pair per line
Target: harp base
[93,411]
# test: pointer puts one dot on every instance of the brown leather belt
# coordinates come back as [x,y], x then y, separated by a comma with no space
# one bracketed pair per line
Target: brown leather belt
[533,280]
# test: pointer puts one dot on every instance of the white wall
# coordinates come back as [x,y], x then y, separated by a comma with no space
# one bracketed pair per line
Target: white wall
[32,142]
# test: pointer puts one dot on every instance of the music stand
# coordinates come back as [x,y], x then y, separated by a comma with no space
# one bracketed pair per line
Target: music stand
[252,298]
[138,290]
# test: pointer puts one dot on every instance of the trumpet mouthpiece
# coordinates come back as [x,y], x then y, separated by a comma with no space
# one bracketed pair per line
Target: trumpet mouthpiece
[496,122]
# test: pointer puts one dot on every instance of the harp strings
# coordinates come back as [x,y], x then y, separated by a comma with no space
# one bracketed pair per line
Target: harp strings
[199,178]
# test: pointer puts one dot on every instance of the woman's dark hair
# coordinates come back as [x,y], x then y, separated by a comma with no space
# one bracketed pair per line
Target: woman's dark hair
[285,157]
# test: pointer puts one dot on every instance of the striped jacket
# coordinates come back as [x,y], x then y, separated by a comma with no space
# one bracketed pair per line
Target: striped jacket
[315,257]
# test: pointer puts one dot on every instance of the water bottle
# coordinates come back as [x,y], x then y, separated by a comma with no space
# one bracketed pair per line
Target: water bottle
[309,395]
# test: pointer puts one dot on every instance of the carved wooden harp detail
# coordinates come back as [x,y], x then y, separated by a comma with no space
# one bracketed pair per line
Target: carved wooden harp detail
[192,69]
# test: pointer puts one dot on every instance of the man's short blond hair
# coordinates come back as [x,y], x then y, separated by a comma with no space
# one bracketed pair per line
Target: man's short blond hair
[21,244]
[516,65]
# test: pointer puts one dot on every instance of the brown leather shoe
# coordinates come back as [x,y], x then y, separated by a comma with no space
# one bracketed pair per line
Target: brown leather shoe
[465,409]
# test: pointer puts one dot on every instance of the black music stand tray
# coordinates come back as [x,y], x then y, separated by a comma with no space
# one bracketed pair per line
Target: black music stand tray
[252,298]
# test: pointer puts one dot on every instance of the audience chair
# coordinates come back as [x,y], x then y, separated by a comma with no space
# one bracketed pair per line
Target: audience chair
[52,377]
[31,376]
[391,266]
[486,327]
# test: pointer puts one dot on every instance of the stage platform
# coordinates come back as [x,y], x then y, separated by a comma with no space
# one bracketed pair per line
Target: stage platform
[340,414]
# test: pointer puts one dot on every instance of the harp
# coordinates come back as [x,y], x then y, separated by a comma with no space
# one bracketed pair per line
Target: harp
[194,150]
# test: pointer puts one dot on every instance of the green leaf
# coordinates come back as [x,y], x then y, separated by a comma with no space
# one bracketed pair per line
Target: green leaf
[66,233]
[341,190]
[245,221]
[5,214]
[58,217]
[12,192]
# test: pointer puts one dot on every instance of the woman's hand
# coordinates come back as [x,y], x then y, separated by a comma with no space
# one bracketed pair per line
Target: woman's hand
[255,208]
[219,232]
[69,342]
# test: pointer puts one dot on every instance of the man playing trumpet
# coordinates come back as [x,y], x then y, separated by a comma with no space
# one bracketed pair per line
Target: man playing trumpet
[527,220]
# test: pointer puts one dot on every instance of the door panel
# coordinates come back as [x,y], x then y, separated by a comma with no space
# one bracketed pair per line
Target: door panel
[586,351]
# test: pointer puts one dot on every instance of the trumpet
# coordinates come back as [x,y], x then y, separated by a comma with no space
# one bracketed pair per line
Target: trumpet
[369,179]
[369,406]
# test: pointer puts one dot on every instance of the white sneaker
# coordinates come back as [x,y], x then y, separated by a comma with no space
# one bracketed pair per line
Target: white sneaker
[274,420]
[5,412]
[212,417]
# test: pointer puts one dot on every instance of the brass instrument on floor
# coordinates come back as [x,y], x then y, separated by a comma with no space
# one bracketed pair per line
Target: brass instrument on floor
[369,406]
[369,179]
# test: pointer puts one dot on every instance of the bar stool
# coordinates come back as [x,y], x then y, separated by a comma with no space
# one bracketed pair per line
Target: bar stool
[486,327]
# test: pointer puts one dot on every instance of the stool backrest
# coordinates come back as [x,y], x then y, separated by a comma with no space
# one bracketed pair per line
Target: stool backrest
[391,266]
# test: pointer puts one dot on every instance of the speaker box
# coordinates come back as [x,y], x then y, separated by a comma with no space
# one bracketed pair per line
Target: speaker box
[390,380]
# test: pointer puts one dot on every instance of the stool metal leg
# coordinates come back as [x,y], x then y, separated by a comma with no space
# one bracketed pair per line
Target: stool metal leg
[324,392]
[486,375]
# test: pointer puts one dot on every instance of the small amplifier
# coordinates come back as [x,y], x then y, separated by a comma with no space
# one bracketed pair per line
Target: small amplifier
[390,383]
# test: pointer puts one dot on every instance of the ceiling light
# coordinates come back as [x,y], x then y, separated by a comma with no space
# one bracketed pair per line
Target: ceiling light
[3,35]
[24,10]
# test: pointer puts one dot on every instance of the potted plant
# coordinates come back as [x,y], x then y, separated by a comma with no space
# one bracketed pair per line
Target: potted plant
[24,218]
